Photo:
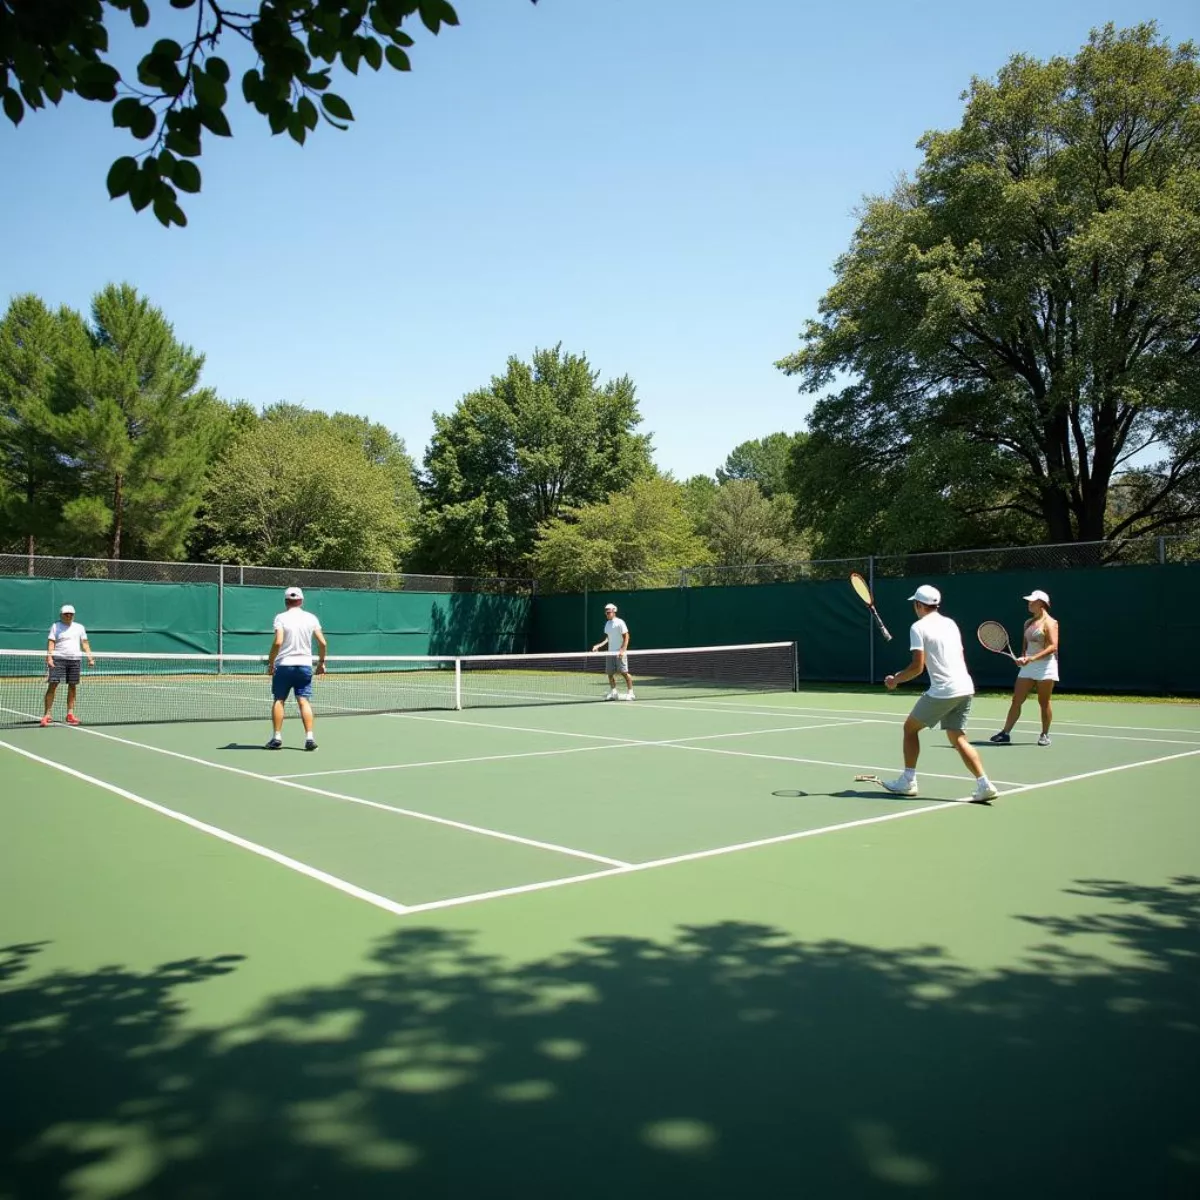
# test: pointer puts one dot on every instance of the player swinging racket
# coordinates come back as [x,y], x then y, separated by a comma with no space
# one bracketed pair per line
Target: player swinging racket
[66,644]
[937,647]
[616,633]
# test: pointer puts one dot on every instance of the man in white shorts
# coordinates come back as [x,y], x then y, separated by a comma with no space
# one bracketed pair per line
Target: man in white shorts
[937,647]
[67,643]
[290,665]
[616,633]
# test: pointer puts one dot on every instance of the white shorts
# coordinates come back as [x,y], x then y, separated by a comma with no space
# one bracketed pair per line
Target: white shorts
[1042,668]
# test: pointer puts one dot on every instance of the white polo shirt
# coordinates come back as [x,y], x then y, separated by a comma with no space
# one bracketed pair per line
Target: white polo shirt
[68,639]
[945,660]
[616,629]
[298,628]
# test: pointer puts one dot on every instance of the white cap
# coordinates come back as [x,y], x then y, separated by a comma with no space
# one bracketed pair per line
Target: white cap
[609,605]
[926,594]
[293,593]
[1037,594]
[67,608]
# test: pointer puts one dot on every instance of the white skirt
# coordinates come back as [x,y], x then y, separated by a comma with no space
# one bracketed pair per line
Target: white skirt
[1042,668]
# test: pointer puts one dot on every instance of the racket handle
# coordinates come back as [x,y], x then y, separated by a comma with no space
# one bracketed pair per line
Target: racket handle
[883,629]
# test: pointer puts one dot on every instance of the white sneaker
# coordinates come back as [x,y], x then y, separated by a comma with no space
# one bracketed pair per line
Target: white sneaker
[1044,739]
[900,787]
[629,696]
[612,695]
[983,791]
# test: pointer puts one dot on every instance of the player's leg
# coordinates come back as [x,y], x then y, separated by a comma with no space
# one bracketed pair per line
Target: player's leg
[304,688]
[628,685]
[955,725]
[1045,691]
[906,784]
[51,688]
[72,692]
[612,686]
[1021,690]
[281,686]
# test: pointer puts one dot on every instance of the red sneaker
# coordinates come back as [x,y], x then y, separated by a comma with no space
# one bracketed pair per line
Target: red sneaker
[45,721]
[72,719]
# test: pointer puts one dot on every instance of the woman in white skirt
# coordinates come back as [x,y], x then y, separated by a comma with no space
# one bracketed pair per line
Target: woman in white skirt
[1039,667]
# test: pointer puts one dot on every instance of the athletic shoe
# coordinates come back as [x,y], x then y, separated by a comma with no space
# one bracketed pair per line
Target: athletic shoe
[900,787]
[1044,739]
[72,719]
[310,744]
[983,791]
[612,695]
[629,696]
[275,744]
[45,721]
[1001,739]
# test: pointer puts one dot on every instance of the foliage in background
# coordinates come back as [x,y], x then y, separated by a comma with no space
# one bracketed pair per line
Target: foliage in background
[1021,321]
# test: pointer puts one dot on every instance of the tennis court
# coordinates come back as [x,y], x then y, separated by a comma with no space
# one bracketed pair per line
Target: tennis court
[563,948]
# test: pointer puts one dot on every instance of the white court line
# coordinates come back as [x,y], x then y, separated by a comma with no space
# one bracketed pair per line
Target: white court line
[233,839]
[391,808]
[781,709]
[610,743]
[695,856]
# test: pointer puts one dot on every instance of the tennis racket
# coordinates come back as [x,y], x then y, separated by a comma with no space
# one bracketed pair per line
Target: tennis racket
[868,779]
[860,585]
[994,637]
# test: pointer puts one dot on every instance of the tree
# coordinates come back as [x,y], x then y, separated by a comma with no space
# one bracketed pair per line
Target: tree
[699,491]
[49,48]
[644,530]
[137,427]
[34,474]
[764,460]
[1022,319]
[545,437]
[744,528]
[306,489]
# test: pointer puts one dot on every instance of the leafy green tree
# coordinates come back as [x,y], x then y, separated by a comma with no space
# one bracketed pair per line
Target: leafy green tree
[545,437]
[644,530]
[138,429]
[764,460]
[1022,318]
[49,48]
[743,527]
[35,477]
[699,491]
[309,489]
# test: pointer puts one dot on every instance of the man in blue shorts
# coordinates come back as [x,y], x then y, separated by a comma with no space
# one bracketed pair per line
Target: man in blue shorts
[67,643]
[290,665]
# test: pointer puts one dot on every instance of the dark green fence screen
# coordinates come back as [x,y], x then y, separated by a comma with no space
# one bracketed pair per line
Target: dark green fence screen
[1123,629]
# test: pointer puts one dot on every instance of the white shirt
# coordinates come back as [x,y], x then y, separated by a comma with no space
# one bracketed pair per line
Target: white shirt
[616,629]
[298,628]
[945,661]
[68,639]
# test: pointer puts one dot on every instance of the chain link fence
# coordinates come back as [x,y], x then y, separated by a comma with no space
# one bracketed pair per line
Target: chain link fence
[233,575]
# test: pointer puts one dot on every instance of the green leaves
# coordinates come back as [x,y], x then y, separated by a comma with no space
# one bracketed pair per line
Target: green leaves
[56,48]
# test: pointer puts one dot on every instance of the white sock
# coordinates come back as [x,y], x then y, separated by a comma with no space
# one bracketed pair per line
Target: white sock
[983,781]
[910,774]
[310,737]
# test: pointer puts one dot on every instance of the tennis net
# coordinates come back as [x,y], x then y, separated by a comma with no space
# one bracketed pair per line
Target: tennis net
[127,689]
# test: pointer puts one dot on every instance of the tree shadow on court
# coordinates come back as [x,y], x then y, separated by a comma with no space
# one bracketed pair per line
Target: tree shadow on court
[479,623]
[728,1060]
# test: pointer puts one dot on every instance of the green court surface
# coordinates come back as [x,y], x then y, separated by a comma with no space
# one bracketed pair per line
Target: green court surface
[667,948]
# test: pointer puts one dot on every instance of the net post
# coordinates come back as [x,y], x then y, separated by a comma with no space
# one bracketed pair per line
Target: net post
[870,628]
[458,684]
[221,619]
[1162,551]
[795,666]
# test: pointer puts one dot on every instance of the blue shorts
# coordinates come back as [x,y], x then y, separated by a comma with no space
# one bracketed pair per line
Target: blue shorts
[289,679]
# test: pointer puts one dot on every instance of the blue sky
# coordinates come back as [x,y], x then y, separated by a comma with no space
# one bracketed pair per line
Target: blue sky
[663,186]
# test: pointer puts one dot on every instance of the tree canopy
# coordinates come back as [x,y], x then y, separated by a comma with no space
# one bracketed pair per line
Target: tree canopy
[52,48]
[543,438]
[1020,322]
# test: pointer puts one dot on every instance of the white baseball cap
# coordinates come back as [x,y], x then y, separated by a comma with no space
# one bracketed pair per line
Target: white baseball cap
[926,594]
[1037,594]
[610,605]
[293,593]
[67,608]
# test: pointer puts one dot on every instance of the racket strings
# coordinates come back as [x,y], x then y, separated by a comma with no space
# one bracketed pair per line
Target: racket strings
[994,636]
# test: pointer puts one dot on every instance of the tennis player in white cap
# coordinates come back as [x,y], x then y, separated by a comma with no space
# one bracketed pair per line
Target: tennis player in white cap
[937,647]
[1039,667]
[66,644]
[290,665]
[616,635]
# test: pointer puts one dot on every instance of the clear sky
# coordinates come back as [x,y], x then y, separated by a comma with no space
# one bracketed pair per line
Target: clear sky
[660,184]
